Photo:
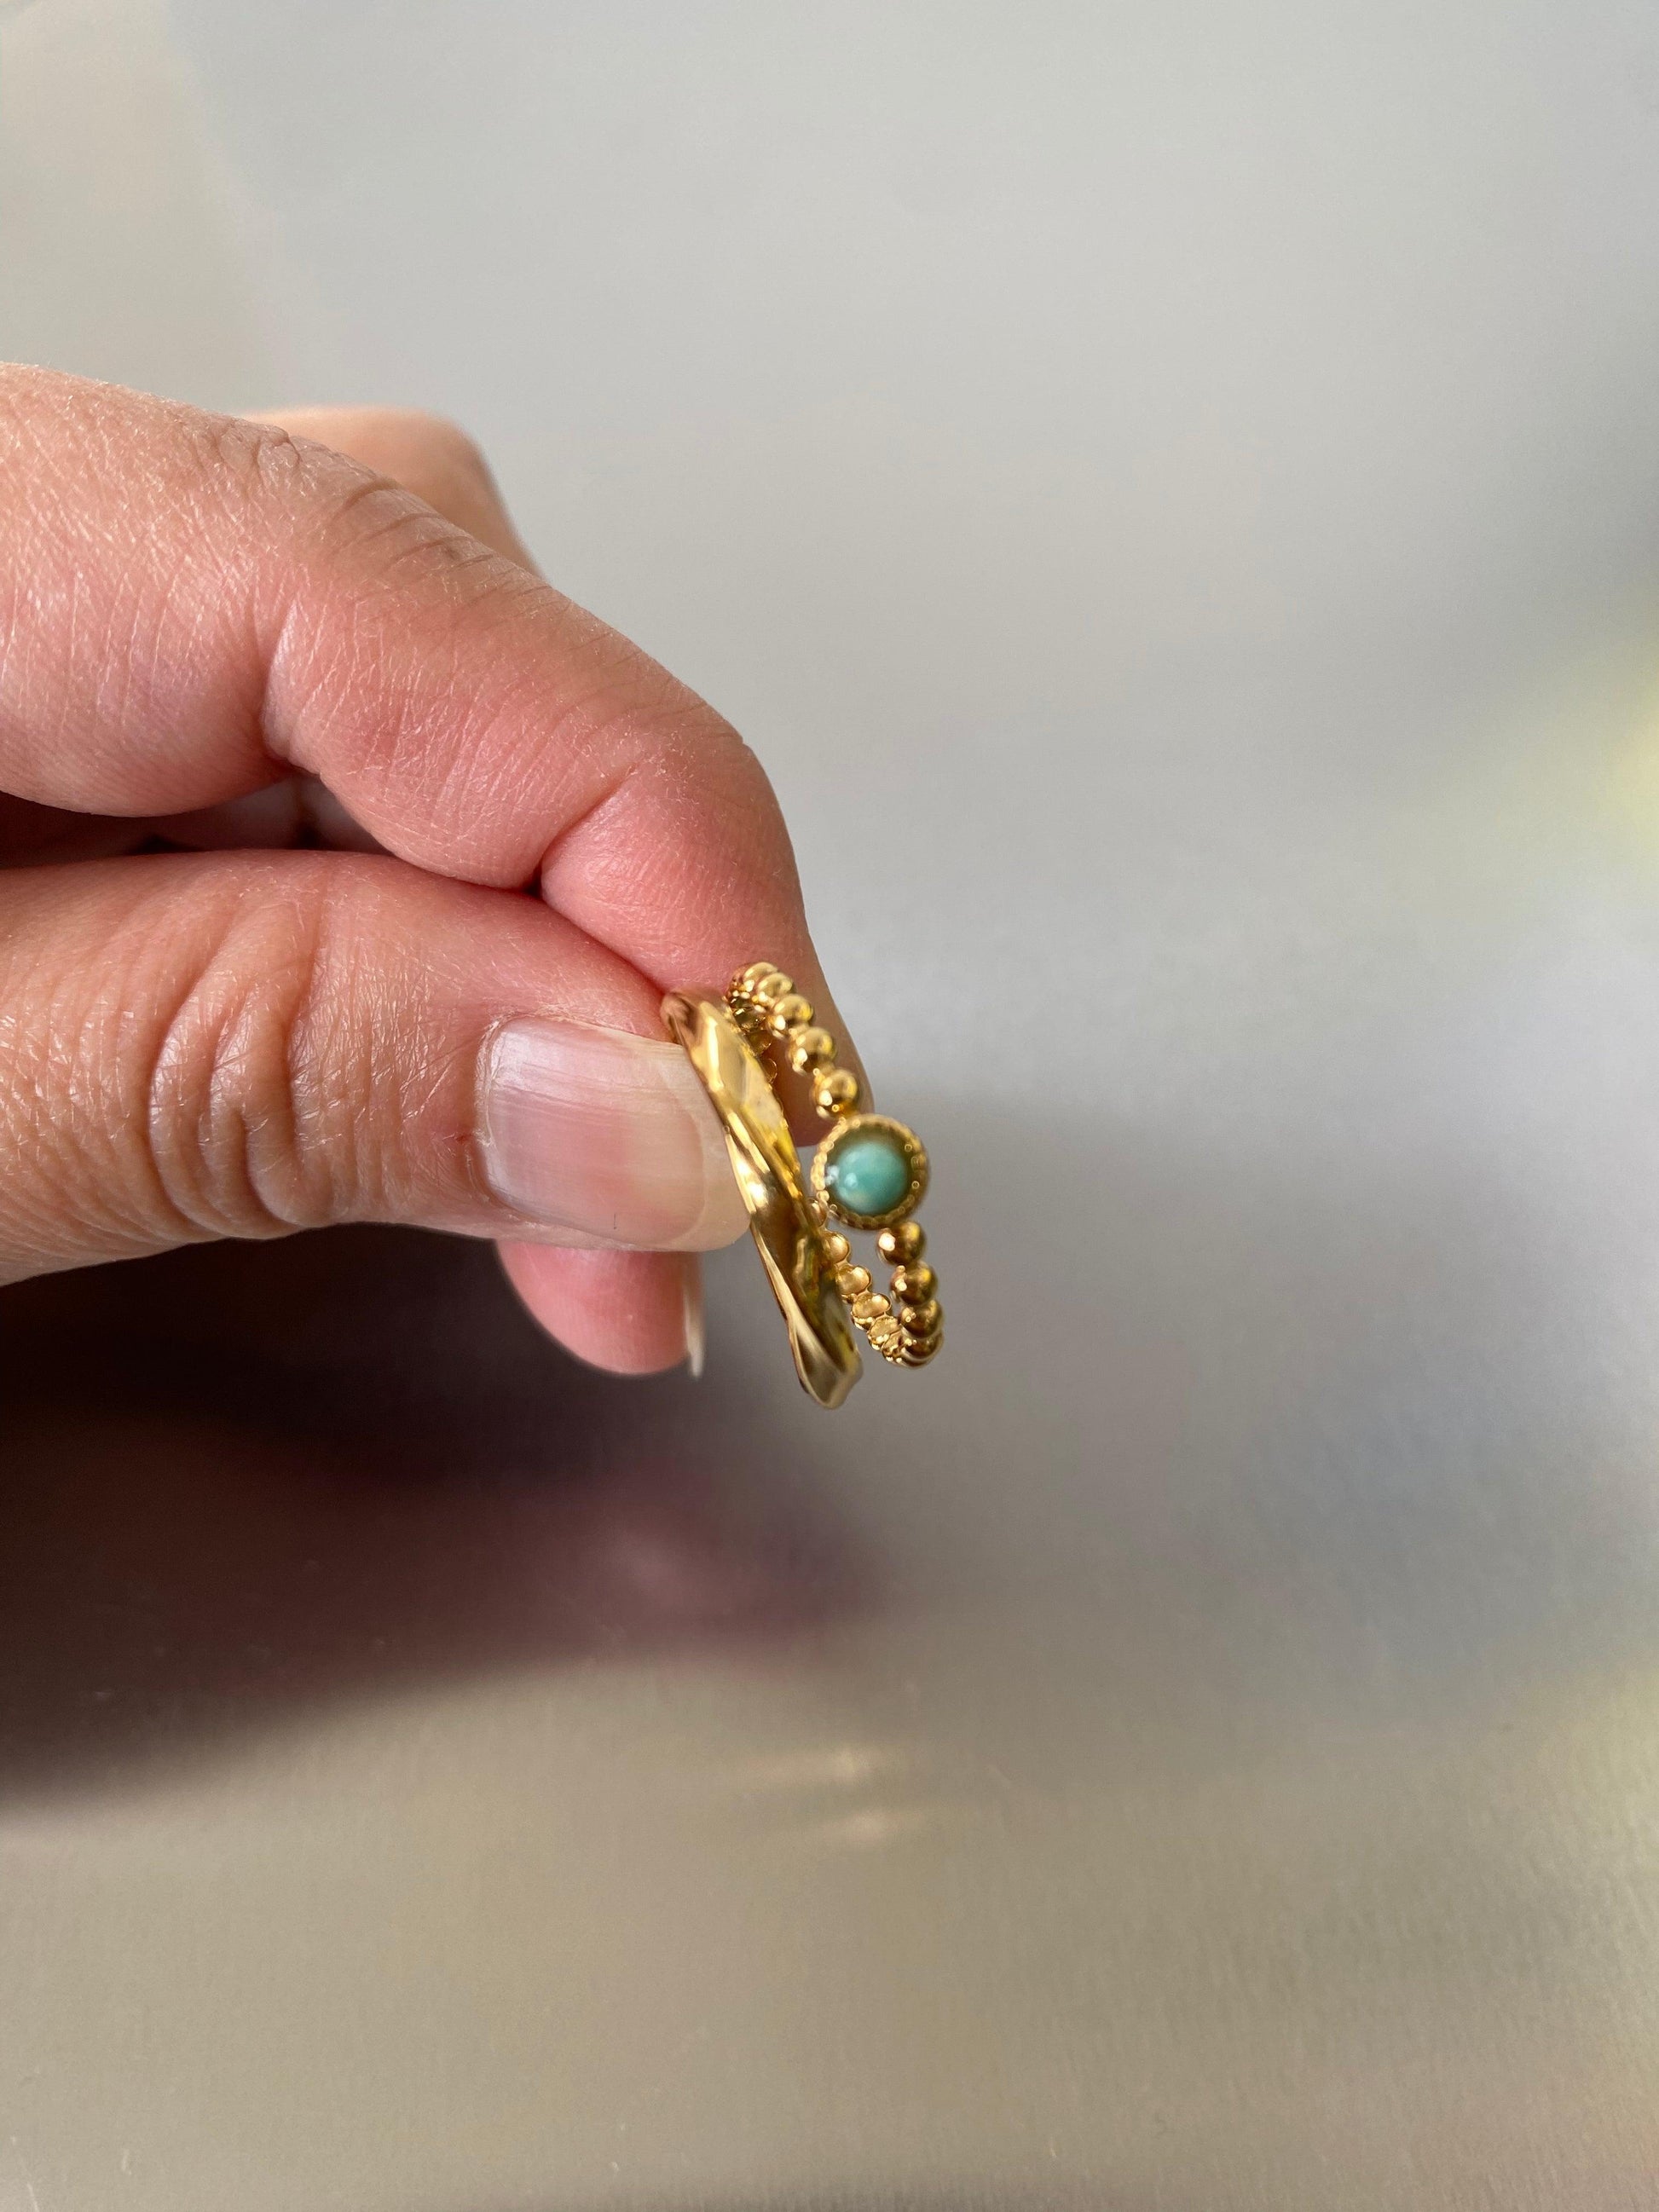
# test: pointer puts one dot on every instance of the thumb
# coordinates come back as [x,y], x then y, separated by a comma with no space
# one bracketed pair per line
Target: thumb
[240,1045]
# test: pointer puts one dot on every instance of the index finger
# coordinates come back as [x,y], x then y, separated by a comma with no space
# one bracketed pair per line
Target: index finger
[191,605]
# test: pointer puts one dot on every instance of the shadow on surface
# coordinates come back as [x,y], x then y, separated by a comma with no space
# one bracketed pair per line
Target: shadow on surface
[1269,1418]
[208,1522]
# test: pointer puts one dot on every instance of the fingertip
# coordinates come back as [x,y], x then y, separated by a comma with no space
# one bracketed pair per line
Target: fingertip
[629,1313]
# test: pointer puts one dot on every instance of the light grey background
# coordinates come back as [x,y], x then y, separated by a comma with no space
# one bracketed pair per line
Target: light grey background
[1172,493]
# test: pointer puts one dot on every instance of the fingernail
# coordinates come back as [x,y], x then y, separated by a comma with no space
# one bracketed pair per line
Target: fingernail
[605,1136]
[696,1336]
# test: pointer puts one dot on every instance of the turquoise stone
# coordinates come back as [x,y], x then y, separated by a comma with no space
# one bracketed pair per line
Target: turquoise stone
[867,1173]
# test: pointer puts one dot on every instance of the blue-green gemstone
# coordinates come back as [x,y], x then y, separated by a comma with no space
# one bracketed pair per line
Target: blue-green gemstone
[867,1173]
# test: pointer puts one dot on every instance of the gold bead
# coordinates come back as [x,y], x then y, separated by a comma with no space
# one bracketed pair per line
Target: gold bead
[772,987]
[870,1306]
[836,1249]
[885,1330]
[852,1282]
[835,1093]
[794,1012]
[904,1244]
[918,1355]
[922,1320]
[812,1048]
[752,974]
[915,1285]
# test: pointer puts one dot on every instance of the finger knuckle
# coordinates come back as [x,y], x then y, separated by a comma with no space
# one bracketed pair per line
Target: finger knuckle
[252,460]
[403,534]
[249,1128]
[322,504]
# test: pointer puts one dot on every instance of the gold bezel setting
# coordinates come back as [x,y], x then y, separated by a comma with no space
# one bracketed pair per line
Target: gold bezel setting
[915,1155]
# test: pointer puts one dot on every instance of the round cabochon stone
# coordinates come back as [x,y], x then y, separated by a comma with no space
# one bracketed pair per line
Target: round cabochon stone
[868,1172]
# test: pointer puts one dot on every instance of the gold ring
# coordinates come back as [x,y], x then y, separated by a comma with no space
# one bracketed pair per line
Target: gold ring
[870,1172]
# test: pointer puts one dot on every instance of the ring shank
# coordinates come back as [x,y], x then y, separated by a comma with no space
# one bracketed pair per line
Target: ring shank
[769,1176]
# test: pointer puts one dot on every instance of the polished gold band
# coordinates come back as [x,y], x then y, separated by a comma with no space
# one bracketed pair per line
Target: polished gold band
[869,1172]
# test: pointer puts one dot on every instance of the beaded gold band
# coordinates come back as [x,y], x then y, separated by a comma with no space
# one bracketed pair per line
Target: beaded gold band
[869,1173]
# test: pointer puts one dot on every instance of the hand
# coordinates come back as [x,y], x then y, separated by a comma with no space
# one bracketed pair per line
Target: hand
[221,634]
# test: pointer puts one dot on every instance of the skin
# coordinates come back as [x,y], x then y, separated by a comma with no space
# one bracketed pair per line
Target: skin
[278,643]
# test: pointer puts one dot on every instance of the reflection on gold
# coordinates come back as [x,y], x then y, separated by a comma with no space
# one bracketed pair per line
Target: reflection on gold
[773,1189]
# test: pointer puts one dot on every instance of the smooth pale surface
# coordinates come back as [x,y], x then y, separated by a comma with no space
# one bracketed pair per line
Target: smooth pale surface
[1198,1744]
